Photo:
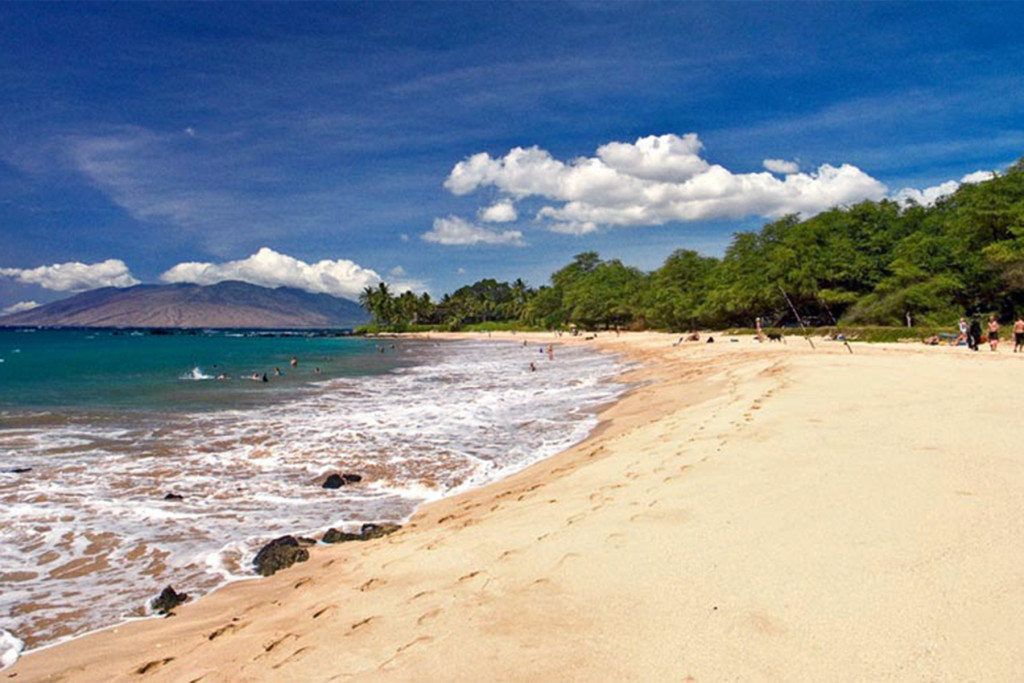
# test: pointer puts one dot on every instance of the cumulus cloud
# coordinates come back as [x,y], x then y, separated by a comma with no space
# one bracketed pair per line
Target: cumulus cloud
[456,231]
[655,180]
[20,307]
[74,276]
[268,268]
[501,212]
[781,166]
[930,195]
[977,177]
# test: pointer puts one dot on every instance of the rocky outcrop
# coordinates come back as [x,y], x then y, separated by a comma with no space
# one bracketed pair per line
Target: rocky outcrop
[366,533]
[279,554]
[336,481]
[168,600]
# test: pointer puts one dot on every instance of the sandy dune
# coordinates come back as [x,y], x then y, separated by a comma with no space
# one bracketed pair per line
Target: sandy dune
[752,512]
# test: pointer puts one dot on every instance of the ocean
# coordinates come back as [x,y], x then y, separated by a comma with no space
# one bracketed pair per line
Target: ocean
[97,427]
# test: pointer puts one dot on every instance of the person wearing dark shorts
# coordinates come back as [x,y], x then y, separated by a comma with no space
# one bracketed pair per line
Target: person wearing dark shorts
[993,333]
[1018,334]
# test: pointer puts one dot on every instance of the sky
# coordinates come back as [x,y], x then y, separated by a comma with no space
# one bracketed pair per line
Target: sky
[335,146]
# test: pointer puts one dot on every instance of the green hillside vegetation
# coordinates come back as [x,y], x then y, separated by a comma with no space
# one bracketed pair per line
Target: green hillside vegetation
[871,264]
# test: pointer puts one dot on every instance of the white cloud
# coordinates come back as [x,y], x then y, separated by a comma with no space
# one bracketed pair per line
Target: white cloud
[74,276]
[20,307]
[397,271]
[501,212]
[781,166]
[930,195]
[268,268]
[652,181]
[667,158]
[456,231]
[977,177]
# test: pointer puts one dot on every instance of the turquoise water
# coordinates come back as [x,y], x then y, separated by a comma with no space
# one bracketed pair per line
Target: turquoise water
[176,372]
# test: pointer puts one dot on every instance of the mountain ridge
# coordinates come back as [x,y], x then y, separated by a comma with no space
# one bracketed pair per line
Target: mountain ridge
[229,304]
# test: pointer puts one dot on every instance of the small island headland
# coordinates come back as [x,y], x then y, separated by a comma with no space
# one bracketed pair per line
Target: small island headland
[750,511]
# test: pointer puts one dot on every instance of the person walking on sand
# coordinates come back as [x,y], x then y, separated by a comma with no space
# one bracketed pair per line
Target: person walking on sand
[1018,334]
[974,334]
[993,333]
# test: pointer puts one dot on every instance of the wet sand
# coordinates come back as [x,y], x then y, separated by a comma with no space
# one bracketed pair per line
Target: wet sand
[750,512]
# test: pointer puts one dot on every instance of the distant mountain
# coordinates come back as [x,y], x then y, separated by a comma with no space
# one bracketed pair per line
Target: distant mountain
[226,304]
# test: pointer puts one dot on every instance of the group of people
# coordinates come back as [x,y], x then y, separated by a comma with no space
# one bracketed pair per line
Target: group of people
[971,334]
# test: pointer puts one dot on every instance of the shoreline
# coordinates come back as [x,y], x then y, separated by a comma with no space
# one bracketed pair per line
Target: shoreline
[763,511]
[457,490]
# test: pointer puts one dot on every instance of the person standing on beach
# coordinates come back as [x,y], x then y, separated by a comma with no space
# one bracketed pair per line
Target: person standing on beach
[760,334]
[962,337]
[993,333]
[1018,334]
[974,335]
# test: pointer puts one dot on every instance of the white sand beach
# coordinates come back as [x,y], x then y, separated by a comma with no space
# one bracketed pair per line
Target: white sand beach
[754,512]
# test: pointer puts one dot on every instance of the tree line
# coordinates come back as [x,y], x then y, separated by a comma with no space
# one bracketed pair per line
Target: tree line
[873,263]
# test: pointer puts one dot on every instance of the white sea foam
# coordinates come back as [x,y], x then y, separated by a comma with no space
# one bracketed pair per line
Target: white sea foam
[10,648]
[463,415]
[196,373]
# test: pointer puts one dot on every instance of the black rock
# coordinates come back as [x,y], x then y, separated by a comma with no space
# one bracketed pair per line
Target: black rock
[334,481]
[366,533]
[168,600]
[20,470]
[335,536]
[174,496]
[352,478]
[279,554]
[371,531]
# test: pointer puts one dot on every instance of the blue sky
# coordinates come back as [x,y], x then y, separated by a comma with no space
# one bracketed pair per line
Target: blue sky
[333,145]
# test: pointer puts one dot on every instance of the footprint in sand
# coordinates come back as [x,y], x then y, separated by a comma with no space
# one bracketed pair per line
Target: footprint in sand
[227,629]
[615,540]
[371,584]
[361,623]
[421,594]
[269,648]
[330,609]
[427,616]
[150,667]
[399,651]
[292,658]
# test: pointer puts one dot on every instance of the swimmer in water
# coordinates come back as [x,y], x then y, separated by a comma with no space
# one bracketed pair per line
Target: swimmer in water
[294,362]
